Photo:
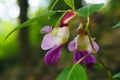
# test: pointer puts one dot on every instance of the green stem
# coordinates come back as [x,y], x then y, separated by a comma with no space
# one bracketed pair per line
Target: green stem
[75,66]
[87,29]
[61,11]
[54,4]
[73,5]
[107,71]
[60,19]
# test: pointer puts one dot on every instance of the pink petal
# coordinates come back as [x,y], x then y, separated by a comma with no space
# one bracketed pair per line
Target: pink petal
[47,42]
[46,29]
[72,45]
[96,47]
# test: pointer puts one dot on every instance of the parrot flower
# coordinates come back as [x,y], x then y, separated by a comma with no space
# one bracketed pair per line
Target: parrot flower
[81,47]
[54,39]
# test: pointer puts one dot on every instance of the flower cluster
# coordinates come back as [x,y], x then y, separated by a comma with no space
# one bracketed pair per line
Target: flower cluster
[55,39]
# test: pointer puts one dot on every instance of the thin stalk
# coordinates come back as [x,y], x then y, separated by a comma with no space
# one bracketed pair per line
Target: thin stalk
[61,11]
[54,4]
[87,29]
[73,5]
[60,19]
[107,71]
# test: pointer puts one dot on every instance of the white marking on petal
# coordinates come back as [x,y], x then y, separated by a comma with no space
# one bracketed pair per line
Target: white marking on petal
[57,40]
[82,42]
[63,32]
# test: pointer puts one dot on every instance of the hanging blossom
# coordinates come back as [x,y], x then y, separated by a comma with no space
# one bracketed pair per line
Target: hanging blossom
[56,38]
[81,47]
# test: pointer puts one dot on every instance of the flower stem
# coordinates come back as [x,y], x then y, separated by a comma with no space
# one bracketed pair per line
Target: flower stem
[87,29]
[60,19]
[73,5]
[54,4]
[107,71]
[61,11]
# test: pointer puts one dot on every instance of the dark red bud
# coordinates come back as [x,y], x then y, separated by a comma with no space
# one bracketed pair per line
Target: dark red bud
[67,17]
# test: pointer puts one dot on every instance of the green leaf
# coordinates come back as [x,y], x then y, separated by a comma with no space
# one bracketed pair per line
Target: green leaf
[73,73]
[98,66]
[116,26]
[116,76]
[28,22]
[70,3]
[89,9]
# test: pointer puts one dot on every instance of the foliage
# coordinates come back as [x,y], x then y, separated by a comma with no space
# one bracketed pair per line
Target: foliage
[116,26]
[116,76]
[89,9]
[98,66]
[25,24]
[76,71]
[73,73]
[70,3]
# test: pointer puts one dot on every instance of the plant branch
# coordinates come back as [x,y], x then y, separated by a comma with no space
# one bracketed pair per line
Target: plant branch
[60,19]
[73,5]
[54,4]
[107,71]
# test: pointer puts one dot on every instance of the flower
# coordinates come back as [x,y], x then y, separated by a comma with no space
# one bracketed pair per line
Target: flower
[56,38]
[81,47]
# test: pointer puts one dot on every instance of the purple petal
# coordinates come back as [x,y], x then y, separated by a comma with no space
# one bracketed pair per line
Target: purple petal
[46,29]
[90,60]
[72,45]
[47,42]
[78,55]
[53,55]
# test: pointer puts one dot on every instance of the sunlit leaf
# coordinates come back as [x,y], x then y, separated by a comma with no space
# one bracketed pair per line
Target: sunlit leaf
[116,26]
[70,3]
[116,76]
[28,22]
[73,73]
[89,9]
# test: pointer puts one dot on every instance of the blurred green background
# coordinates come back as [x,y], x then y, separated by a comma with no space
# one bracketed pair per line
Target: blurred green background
[21,57]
